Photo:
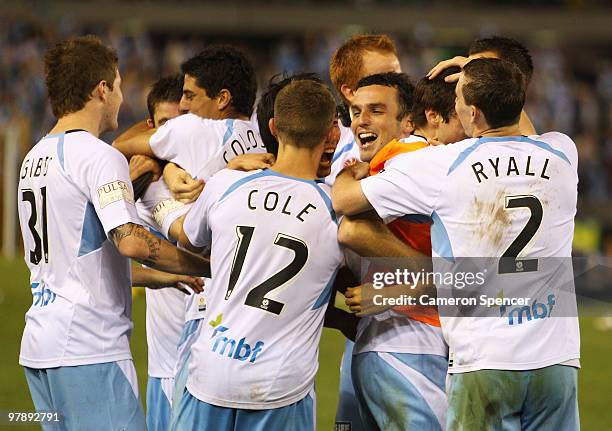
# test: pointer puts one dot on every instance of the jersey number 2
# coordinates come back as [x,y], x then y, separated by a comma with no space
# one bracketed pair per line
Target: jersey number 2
[509,264]
[28,195]
[257,295]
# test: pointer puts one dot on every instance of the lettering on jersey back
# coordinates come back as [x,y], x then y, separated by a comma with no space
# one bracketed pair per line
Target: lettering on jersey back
[35,167]
[241,146]
[272,201]
[496,168]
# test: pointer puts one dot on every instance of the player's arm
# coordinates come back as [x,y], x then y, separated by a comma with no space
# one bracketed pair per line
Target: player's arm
[337,318]
[347,196]
[182,185]
[365,300]
[140,165]
[251,161]
[369,236]
[135,242]
[154,279]
[135,141]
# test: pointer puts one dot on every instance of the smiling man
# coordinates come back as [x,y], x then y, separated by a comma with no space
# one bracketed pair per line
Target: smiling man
[393,349]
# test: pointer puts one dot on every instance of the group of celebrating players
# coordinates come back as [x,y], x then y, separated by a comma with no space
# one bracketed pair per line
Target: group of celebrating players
[258,215]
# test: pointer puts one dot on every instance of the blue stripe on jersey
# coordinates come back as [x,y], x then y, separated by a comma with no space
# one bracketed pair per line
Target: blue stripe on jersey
[93,234]
[543,145]
[328,203]
[469,150]
[463,155]
[229,123]
[440,242]
[326,293]
[60,149]
[344,149]
[269,172]
[241,182]
[416,218]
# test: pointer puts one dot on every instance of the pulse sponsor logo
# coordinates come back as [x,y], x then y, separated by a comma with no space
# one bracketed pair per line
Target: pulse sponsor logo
[538,310]
[233,349]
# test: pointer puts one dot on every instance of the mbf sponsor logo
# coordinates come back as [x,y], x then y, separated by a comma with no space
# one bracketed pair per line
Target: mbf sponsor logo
[537,310]
[230,347]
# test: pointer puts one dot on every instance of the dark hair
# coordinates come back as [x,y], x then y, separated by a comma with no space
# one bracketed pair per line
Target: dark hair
[304,111]
[399,81]
[346,65]
[434,94]
[73,68]
[497,88]
[221,67]
[507,49]
[166,89]
[265,107]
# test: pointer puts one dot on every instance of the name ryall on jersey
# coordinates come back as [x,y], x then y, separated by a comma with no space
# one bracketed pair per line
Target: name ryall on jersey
[233,349]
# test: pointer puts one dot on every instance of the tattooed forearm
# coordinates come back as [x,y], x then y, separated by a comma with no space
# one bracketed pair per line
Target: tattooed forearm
[121,232]
[153,245]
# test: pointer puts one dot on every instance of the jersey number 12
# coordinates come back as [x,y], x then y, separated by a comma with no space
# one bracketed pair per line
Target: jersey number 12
[257,295]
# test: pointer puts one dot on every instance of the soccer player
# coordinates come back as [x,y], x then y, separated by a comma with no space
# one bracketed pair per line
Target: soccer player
[253,366]
[505,48]
[79,227]
[166,307]
[503,195]
[219,93]
[360,56]
[400,358]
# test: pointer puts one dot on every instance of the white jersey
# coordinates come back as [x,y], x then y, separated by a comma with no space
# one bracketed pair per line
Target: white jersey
[73,190]
[165,307]
[347,153]
[482,194]
[392,331]
[203,147]
[274,258]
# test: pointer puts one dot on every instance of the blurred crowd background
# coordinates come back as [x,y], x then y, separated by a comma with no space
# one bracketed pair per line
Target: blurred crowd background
[571,89]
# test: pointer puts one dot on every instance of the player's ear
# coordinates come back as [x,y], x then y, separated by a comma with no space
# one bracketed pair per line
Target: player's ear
[407,126]
[272,127]
[433,118]
[347,91]
[475,115]
[224,98]
[99,91]
[150,123]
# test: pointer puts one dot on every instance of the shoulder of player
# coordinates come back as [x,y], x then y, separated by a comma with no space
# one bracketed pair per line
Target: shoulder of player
[89,149]
[431,155]
[559,141]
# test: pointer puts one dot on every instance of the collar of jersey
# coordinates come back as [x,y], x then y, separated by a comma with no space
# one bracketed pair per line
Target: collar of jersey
[268,171]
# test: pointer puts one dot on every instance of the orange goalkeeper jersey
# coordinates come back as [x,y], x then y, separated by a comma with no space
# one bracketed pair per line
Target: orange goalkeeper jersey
[413,230]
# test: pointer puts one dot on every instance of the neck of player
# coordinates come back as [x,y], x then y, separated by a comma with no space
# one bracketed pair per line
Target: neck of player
[298,162]
[78,120]
[512,130]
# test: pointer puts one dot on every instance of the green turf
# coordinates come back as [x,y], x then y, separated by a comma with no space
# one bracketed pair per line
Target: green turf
[594,385]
